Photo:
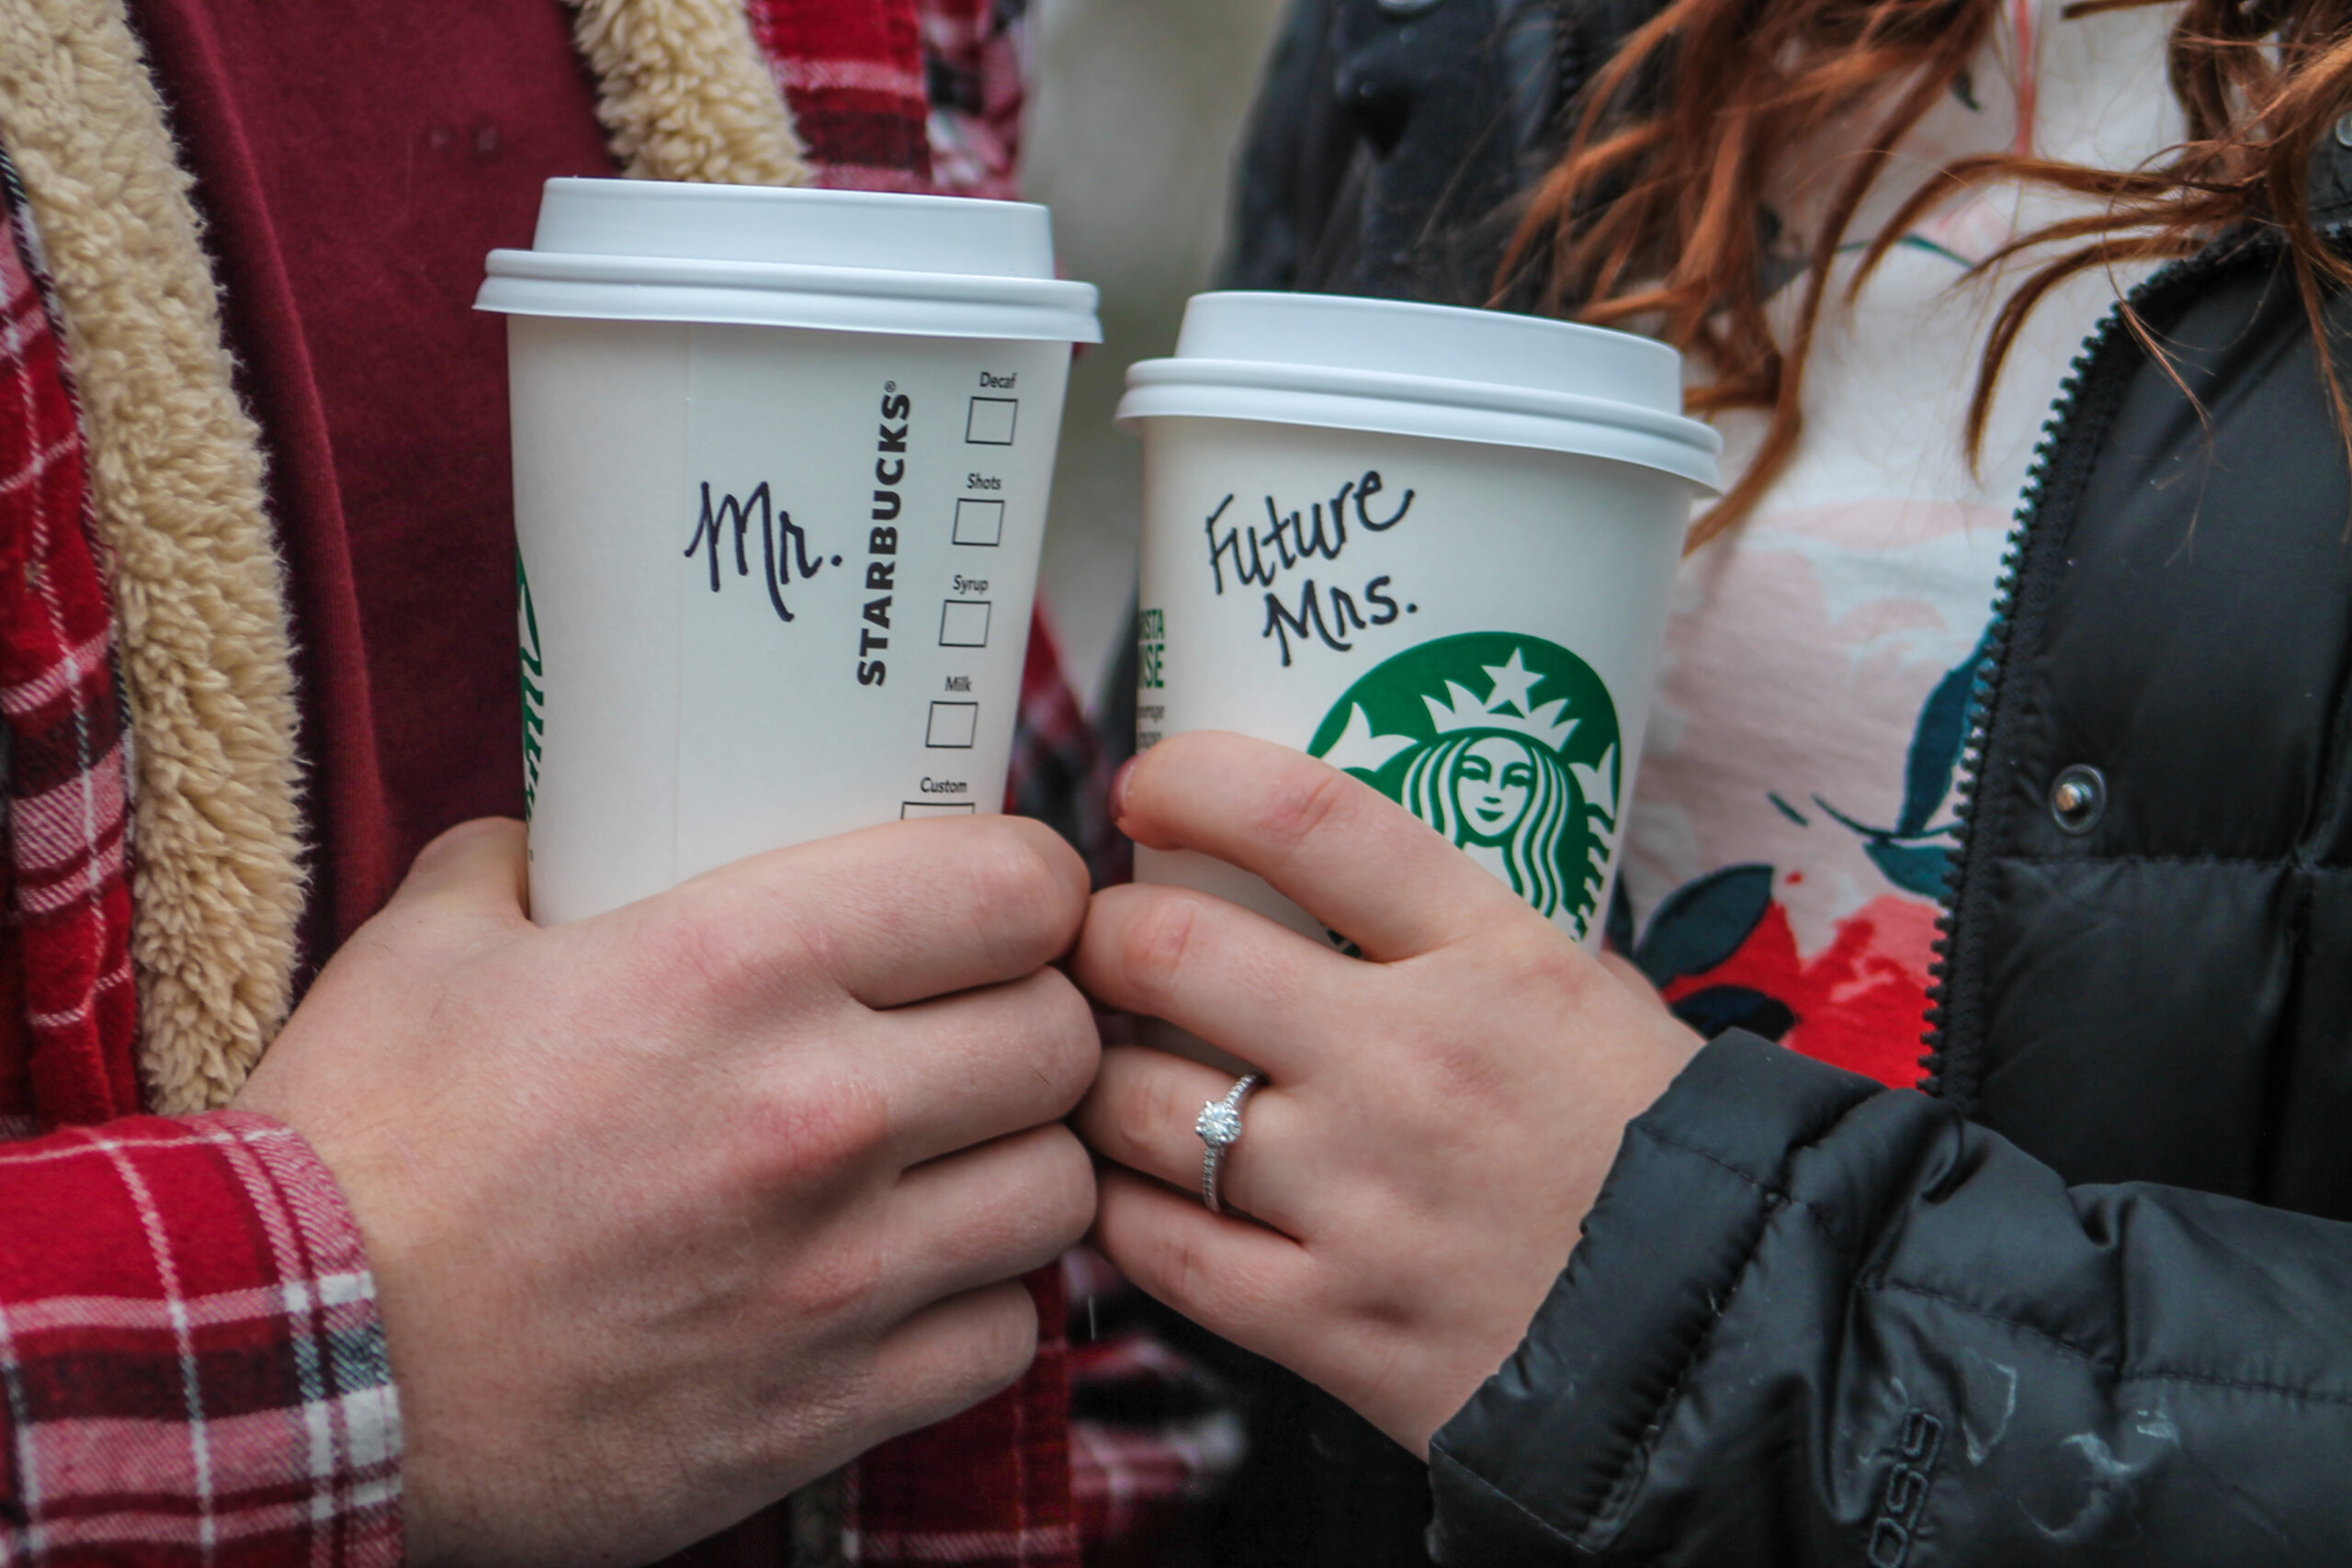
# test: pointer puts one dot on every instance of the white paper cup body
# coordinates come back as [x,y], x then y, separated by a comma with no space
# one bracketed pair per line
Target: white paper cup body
[1472,627]
[774,583]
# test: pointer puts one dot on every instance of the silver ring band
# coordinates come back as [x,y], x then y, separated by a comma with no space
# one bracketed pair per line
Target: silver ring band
[1219,1127]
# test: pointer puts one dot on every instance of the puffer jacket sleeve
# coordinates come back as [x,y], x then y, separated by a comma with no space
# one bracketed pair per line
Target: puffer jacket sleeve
[1813,1321]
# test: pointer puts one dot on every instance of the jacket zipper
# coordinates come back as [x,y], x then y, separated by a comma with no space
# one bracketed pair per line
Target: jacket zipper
[2056,428]
[2092,366]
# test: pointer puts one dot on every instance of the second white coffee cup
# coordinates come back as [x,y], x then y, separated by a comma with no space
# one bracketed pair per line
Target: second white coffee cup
[781,463]
[1433,547]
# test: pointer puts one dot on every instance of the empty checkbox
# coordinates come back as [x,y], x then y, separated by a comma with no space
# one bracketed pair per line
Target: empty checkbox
[990,422]
[964,623]
[953,726]
[979,522]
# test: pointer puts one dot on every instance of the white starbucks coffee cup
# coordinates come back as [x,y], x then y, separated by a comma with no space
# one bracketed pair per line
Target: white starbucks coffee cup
[781,461]
[1430,546]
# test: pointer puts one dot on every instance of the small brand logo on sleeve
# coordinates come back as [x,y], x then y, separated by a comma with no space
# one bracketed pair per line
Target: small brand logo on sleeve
[1905,1495]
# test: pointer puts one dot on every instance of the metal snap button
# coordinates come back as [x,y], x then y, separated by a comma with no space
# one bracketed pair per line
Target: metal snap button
[2078,799]
[2344,131]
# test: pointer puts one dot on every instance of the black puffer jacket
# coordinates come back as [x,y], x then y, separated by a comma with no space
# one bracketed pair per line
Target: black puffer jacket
[2090,1300]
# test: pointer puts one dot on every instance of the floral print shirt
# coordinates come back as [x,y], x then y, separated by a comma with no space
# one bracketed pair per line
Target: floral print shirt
[1795,804]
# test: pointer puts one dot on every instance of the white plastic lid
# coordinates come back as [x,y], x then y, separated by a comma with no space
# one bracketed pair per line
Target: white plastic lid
[1435,370]
[758,255]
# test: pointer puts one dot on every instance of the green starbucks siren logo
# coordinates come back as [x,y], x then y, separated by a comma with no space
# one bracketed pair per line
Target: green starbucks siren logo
[1524,778]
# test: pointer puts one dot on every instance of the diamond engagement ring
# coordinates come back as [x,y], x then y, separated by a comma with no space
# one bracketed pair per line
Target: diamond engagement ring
[1220,1129]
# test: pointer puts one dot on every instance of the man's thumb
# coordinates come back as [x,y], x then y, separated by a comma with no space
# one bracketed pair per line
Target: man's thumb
[475,868]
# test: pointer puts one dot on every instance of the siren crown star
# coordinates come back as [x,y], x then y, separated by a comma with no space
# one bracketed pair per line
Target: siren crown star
[1507,706]
[1513,681]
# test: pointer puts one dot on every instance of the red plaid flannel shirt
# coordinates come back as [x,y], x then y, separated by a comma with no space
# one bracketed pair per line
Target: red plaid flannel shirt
[902,94]
[191,1367]
[64,1047]
[190,1354]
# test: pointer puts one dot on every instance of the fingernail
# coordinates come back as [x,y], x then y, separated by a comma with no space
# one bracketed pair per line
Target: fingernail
[1118,800]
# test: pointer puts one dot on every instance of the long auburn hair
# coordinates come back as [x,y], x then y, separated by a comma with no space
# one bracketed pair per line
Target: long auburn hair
[1652,213]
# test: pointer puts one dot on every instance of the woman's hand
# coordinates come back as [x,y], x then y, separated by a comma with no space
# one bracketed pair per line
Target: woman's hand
[1438,1115]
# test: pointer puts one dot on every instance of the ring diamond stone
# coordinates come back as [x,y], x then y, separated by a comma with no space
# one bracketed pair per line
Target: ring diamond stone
[1219,1124]
[1219,1127]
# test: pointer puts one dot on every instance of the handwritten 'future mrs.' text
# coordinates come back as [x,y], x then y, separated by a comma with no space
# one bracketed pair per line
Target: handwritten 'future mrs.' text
[1256,556]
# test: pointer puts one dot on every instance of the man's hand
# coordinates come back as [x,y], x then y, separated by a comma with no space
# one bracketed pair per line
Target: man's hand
[1439,1115]
[674,1209]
